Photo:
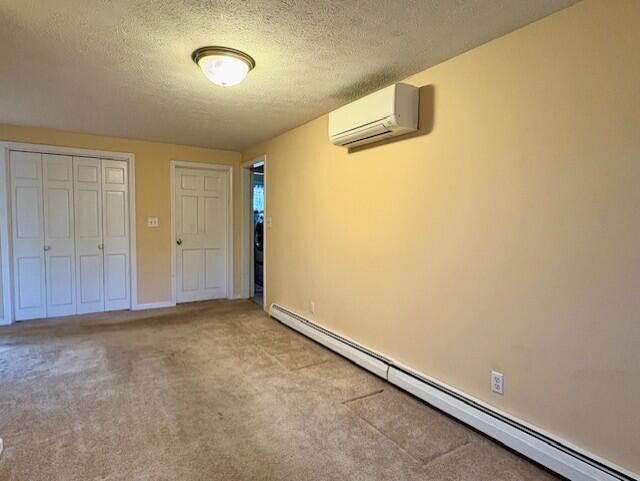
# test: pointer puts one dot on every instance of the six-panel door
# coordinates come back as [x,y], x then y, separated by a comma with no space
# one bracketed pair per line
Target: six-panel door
[201,234]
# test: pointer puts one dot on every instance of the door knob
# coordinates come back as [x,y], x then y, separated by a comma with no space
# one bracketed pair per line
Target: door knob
[179,242]
[47,248]
[100,246]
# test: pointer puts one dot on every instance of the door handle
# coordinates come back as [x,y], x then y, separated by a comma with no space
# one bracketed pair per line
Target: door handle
[47,248]
[100,246]
[179,242]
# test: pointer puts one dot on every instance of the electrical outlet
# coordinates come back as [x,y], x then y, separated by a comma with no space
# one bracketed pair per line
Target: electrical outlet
[497,382]
[269,222]
[312,307]
[152,222]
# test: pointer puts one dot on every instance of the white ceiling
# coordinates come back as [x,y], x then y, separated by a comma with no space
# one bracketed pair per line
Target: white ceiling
[123,67]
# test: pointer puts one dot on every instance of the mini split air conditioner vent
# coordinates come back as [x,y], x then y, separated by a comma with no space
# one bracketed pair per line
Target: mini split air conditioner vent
[387,113]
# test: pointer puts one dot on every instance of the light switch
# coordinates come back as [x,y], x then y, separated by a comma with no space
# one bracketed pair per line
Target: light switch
[152,222]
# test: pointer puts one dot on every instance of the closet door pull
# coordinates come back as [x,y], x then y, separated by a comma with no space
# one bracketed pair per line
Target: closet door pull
[47,248]
[100,246]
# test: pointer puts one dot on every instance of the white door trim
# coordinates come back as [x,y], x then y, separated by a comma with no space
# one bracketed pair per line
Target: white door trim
[247,230]
[174,164]
[5,246]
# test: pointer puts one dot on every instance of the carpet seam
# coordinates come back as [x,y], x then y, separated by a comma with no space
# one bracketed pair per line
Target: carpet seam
[424,462]
[309,365]
[363,396]
[418,461]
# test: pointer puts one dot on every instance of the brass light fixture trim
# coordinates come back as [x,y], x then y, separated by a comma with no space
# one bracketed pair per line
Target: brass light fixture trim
[202,52]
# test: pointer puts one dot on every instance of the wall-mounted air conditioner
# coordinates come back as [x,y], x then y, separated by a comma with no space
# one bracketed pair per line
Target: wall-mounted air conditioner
[386,113]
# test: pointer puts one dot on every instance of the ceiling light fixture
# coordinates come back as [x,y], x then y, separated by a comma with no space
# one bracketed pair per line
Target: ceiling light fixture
[223,66]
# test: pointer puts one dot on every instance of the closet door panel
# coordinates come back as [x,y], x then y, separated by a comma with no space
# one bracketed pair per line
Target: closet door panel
[28,235]
[89,243]
[60,293]
[29,275]
[115,218]
[59,234]
[28,224]
[117,269]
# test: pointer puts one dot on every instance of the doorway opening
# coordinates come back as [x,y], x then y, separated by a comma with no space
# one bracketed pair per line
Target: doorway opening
[257,205]
[254,220]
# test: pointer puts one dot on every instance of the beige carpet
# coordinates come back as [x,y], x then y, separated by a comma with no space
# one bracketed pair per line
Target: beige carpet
[216,391]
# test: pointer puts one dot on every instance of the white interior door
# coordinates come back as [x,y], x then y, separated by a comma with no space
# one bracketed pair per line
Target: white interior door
[59,235]
[201,214]
[115,220]
[89,242]
[28,235]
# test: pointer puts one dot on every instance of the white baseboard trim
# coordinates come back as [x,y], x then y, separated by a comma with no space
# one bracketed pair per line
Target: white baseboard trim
[153,305]
[552,452]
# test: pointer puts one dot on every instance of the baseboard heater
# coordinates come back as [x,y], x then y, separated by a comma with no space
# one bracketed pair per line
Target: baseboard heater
[553,453]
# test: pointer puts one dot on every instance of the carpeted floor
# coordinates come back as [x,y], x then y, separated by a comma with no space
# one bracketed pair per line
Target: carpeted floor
[216,391]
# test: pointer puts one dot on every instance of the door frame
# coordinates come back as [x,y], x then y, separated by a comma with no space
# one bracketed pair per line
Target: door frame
[174,164]
[8,315]
[247,231]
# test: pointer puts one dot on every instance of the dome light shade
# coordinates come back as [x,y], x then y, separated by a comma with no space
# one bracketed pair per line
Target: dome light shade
[223,66]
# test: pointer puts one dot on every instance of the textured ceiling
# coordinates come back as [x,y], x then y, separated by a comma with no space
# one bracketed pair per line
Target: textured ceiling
[123,67]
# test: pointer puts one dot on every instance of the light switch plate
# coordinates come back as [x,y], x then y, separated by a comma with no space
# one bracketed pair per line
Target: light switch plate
[152,222]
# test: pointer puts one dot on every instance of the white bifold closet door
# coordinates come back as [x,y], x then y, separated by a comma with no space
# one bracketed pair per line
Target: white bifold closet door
[70,221]
[28,235]
[89,245]
[59,242]
[102,234]
[115,221]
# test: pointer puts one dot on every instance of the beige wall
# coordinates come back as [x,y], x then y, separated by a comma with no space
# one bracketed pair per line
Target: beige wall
[152,196]
[506,235]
